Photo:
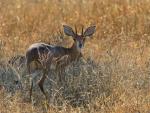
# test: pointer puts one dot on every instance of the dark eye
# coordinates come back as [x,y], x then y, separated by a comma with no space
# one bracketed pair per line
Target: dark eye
[74,39]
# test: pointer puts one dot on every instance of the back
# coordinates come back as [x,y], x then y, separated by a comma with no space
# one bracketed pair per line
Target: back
[35,50]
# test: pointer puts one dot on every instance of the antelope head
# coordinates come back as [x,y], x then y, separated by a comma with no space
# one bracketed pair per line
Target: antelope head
[79,39]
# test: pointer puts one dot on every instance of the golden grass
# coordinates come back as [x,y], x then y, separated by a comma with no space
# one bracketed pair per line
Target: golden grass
[119,80]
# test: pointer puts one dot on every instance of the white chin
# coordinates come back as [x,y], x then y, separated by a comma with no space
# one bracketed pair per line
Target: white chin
[80,49]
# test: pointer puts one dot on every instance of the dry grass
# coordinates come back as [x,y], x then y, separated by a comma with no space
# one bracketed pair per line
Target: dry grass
[113,77]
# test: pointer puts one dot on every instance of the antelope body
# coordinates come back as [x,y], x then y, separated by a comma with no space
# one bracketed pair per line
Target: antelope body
[74,52]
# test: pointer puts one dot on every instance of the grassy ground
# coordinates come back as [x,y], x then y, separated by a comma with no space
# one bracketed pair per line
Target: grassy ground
[114,75]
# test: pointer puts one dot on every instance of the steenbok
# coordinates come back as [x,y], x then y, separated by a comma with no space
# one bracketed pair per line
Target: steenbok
[36,50]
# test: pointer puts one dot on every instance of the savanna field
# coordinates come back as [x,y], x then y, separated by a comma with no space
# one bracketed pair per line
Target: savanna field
[112,77]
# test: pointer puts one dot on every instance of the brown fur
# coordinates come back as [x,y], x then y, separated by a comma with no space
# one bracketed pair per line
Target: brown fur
[63,56]
[33,55]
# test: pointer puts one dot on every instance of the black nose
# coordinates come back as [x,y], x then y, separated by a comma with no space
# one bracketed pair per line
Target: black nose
[80,45]
[16,81]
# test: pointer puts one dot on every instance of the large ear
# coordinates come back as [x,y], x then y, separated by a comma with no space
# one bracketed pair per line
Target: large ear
[89,31]
[68,30]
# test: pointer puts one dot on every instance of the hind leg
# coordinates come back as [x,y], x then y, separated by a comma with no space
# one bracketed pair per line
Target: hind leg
[37,65]
[41,83]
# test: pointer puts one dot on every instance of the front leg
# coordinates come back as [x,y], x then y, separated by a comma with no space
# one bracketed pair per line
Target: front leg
[61,63]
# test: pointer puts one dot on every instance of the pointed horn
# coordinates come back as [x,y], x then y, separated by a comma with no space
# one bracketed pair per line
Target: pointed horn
[61,34]
[76,30]
[82,30]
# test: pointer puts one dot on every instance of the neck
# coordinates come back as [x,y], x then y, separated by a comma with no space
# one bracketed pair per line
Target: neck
[74,52]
